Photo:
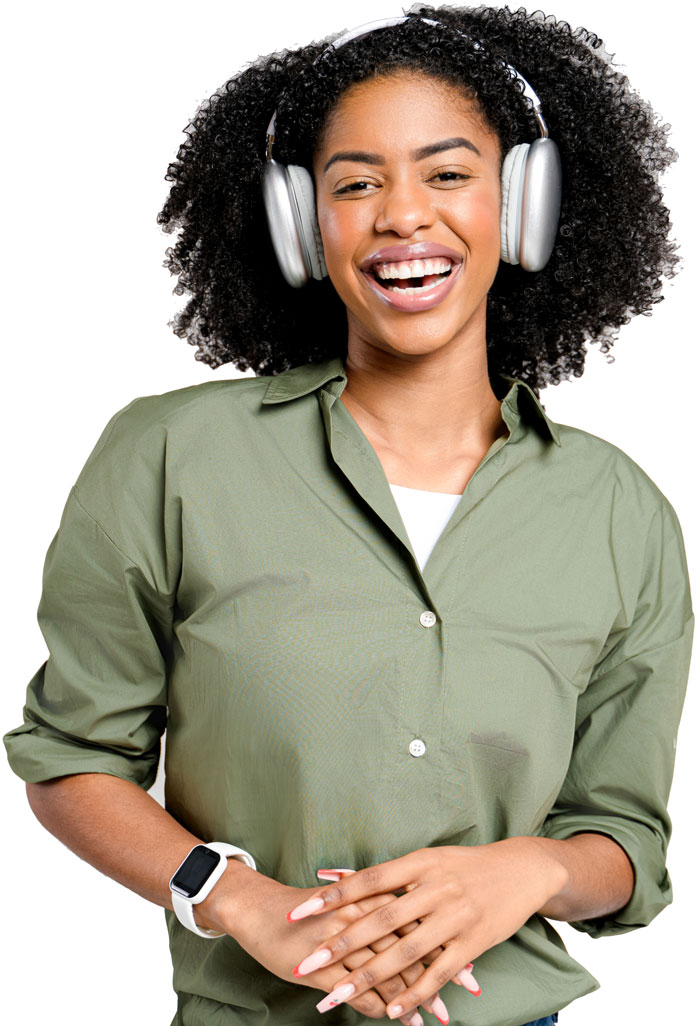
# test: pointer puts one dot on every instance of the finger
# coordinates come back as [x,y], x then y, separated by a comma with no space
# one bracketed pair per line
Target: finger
[369,1003]
[404,979]
[396,957]
[409,977]
[443,967]
[430,956]
[388,988]
[338,874]
[409,974]
[377,879]
[463,979]
[388,917]
[359,909]
[369,904]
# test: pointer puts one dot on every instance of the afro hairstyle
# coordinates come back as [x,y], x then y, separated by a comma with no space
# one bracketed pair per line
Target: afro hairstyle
[613,248]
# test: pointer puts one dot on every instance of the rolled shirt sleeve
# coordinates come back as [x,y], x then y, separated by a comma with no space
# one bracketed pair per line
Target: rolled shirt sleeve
[98,704]
[621,769]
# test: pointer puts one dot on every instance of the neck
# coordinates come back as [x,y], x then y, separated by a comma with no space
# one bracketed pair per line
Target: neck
[438,405]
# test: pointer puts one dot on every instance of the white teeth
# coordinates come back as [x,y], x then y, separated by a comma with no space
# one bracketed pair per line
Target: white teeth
[413,268]
[411,291]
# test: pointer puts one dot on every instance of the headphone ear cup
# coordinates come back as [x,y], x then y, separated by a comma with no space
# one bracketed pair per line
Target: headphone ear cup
[512,185]
[541,204]
[283,223]
[301,187]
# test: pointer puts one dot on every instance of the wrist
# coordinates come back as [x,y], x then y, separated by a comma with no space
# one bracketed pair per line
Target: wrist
[548,873]
[214,913]
[556,869]
[600,877]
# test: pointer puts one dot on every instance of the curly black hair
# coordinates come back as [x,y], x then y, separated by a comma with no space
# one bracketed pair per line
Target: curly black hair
[613,247]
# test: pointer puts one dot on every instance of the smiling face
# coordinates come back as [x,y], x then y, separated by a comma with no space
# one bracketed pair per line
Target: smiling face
[407,178]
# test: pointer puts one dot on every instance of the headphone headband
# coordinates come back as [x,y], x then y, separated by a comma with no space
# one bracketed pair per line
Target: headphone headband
[372,26]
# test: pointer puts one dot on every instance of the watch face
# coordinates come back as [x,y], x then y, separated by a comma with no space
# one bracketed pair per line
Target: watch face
[195,871]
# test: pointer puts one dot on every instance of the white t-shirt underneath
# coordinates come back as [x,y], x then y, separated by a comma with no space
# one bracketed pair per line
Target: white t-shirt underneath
[425,515]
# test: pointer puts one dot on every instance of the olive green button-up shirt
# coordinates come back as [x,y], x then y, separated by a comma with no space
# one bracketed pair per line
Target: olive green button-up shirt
[231,564]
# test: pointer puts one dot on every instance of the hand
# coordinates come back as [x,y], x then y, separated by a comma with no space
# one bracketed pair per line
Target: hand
[435,1003]
[467,899]
[252,908]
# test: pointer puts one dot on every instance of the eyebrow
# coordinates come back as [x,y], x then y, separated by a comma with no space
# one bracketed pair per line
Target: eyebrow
[362,157]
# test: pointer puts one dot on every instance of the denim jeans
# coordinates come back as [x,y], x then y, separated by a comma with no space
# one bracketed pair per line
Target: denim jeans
[549,1020]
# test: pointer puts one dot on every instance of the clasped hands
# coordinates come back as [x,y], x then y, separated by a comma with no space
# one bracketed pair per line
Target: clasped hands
[465,900]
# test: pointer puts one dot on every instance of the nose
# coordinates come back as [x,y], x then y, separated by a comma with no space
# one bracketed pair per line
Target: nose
[404,209]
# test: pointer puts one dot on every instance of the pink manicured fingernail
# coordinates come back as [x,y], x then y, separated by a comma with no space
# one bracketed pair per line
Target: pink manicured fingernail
[469,967]
[468,981]
[333,874]
[305,909]
[336,997]
[315,961]
[416,1020]
[439,1011]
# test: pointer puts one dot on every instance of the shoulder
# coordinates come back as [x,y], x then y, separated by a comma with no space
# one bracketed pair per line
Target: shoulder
[590,455]
[150,424]
[152,433]
[617,484]
[183,407]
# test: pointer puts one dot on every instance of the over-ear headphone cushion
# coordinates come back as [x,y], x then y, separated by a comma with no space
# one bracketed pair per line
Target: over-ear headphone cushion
[301,188]
[512,184]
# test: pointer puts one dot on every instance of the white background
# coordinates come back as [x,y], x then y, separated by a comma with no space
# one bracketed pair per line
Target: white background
[96,97]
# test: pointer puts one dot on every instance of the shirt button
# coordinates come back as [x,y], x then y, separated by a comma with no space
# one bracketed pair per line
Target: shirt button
[416,747]
[428,618]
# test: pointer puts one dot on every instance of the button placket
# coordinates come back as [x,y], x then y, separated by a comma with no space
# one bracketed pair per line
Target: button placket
[417,746]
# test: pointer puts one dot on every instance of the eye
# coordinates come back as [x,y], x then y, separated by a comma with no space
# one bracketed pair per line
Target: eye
[353,187]
[449,176]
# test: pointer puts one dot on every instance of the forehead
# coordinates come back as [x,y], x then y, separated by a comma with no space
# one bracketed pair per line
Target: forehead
[403,110]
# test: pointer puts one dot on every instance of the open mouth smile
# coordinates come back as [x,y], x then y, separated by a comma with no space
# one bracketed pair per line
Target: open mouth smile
[413,284]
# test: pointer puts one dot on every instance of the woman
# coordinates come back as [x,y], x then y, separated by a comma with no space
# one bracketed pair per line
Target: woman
[329,581]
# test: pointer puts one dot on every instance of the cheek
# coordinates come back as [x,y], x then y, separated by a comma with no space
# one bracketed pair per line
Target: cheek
[480,227]
[484,219]
[333,237]
[342,229]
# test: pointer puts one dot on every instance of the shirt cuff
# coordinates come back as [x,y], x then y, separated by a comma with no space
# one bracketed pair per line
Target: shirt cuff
[646,852]
[37,753]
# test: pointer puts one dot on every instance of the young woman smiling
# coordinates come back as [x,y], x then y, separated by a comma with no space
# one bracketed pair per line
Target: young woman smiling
[407,634]
[408,170]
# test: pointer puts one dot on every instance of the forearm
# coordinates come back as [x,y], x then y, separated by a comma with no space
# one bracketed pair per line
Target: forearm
[600,875]
[123,832]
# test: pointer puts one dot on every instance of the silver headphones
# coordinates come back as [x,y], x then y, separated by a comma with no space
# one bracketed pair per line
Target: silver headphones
[530,192]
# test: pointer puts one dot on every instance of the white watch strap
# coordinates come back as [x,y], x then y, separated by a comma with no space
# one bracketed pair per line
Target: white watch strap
[183,907]
[226,849]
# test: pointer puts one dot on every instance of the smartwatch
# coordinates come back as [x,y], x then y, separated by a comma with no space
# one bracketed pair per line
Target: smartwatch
[196,877]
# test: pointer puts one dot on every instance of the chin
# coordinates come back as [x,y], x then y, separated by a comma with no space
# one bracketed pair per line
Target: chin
[417,334]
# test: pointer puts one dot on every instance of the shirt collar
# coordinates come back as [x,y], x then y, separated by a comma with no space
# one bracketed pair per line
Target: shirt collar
[519,399]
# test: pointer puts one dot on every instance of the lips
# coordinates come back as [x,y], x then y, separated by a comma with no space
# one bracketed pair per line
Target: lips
[416,251]
[412,278]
